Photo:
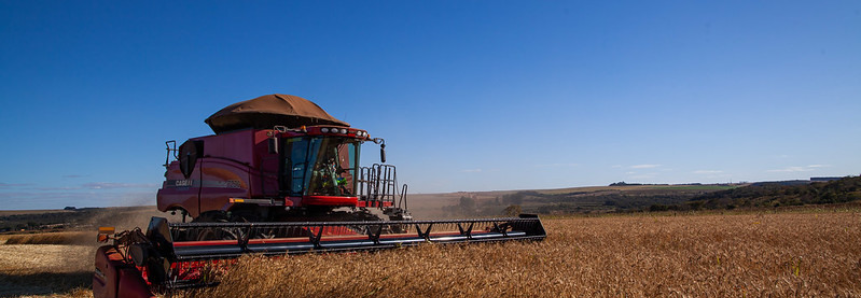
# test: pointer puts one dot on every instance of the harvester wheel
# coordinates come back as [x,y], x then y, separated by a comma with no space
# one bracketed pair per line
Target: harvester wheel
[251,216]
[216,233]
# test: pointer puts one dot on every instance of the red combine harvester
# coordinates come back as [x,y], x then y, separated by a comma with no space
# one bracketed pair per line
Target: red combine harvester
[279,177]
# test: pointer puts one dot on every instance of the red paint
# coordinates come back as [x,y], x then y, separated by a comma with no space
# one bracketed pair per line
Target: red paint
[330,201]
[373,204]
[114,277]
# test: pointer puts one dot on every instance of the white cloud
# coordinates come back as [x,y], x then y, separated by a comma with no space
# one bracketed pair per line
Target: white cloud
[796,169]
[55,188]
[4,185]
[791,170]
[644,176]
[556,165]
[645,166]
[471,171]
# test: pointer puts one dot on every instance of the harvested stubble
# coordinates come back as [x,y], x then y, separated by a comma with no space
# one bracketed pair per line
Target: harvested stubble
[71,237]
[58,264]
[29,270]
[626,256]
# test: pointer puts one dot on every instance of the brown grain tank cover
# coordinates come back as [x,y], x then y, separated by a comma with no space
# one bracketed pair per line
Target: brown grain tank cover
[268,111]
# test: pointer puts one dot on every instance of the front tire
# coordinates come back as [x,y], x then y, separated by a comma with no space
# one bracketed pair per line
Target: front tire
[209,234]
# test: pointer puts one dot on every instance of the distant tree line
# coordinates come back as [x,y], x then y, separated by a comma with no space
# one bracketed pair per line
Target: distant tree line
[776,194]
[35,221]
[684,198]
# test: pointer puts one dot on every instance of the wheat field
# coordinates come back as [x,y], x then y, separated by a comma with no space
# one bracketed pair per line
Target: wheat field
[813,254]
[777,255]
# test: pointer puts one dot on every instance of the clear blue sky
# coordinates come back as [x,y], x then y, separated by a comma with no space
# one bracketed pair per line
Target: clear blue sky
[470,95]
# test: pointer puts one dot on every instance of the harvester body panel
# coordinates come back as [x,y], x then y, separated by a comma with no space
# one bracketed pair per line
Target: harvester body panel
[220,172]
[313,168]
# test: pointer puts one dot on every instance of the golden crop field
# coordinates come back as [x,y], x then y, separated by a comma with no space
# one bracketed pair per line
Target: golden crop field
[733,255]
[782,255]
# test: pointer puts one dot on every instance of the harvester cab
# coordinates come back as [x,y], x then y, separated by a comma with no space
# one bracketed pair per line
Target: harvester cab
[280,176]
[307,171]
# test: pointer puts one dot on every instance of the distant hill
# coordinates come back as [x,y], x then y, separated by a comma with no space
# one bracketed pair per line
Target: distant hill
[619,197]
[635,197]
[784,193]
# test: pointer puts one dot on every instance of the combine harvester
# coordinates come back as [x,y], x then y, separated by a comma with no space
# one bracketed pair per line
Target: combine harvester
[279,177]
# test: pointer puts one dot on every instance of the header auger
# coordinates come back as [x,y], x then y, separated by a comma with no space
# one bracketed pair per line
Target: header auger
[280,177]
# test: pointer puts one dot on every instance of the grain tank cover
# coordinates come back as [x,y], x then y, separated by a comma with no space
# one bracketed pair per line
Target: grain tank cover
[268,111]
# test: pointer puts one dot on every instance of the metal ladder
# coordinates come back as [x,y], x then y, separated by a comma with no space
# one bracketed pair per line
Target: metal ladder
[378,184]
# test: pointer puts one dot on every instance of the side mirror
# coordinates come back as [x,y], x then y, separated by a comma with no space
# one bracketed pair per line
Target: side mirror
[383,153]
[189,152]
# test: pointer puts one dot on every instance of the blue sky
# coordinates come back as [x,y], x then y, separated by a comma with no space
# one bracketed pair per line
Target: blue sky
[470,95]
